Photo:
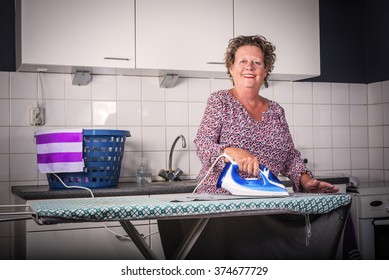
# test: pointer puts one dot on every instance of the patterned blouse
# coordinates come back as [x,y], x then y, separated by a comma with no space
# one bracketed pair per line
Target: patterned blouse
[226,123]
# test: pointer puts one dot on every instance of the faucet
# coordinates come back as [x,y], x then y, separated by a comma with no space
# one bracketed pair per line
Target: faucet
[171,175]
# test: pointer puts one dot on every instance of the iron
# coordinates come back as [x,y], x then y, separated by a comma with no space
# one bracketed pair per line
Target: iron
[268,185]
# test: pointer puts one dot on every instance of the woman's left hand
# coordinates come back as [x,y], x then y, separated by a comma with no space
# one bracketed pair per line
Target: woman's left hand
[315,186]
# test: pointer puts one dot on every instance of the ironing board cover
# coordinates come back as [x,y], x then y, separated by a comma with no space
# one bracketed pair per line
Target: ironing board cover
[139,208]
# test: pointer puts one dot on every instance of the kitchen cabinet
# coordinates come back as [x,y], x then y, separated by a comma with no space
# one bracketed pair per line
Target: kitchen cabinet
[292,26]
[80,241]
[183,34]
[79,33]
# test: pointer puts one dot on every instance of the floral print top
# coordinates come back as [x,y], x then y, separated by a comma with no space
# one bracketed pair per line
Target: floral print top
[226,123]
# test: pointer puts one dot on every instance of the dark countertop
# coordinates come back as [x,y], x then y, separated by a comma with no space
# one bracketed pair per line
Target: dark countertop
[123,189]
[33,192]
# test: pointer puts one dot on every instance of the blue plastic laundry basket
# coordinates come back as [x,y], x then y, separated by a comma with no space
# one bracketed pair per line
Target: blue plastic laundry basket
[102,153]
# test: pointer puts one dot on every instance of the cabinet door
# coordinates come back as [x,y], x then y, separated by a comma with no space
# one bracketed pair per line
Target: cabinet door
[183,34]
[81,241]
[291,25]
[95,33]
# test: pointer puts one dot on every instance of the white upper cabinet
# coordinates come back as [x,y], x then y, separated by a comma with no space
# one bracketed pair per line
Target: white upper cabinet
[189,35]
[90,33]
[291,25]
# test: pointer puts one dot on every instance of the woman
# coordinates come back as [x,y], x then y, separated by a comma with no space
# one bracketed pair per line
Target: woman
[248,127]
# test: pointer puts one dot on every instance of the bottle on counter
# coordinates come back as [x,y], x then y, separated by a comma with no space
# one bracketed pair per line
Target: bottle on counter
[143,173]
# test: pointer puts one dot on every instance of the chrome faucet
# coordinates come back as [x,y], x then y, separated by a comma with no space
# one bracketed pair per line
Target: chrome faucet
[171,175]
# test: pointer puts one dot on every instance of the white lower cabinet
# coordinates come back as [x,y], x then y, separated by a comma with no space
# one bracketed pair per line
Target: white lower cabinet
[81,241]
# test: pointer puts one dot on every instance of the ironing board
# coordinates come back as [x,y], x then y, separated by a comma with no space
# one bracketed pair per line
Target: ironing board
[131,208]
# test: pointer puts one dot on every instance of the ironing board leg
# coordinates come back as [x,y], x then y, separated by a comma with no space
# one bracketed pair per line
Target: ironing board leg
[138,240]
[190,239]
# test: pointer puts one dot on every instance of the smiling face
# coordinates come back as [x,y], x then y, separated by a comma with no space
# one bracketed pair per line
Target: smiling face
[248,69]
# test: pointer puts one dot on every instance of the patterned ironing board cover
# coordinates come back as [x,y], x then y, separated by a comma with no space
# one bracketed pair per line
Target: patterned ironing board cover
[140,208]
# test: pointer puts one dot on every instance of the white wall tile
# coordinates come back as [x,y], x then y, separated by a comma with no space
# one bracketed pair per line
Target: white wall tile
[156,162]
[22,140]
[192,135]
[376,137]
[4,84]
[199,89]
[78,113]
[359,137]
[340,137]
[374,113]
[176,113]
[134,142]
[340,115]
[195,164]
[55,113]
[341,159]
[322,137]
[51,86]
[303,137]
[24,85]
[104,113]
[151,90]
[179,92]
[323,159]
[376,175]
[153,113]
[283,92]
[23,167]
[376,158]
[386,136]
[289,113]
[374,93]
[196,112]
[4,140]
[358,115]
[104,87]
[303,115]
[4,112]
[268,92]
[20,112]
[4,170]
[302,92]
[358,94]
[321,93]
[154,139]
[76,92]
[129,88]
[359,158]
[385,91]
[385,116]
[340,93]
[322,115]
[172,133]
[129,113]
[130,164]
[218,84]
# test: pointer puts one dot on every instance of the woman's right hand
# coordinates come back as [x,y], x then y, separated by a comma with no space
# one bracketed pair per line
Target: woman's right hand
[246,161]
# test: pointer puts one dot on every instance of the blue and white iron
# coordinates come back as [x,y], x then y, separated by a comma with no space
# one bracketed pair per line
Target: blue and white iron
[268,185]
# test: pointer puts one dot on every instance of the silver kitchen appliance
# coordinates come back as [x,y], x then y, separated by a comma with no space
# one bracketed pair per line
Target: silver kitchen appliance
[370,213]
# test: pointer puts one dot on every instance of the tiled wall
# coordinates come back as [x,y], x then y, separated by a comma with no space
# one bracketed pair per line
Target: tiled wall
[339,128]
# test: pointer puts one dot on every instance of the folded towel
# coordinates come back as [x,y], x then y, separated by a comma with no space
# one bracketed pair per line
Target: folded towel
[59,151]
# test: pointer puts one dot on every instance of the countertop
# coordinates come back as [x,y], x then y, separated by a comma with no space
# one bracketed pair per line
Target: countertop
[33,192]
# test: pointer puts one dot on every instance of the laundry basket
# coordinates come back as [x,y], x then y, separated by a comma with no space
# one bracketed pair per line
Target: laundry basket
[102,153]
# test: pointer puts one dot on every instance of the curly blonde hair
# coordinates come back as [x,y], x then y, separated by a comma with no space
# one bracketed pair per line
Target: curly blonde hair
[267,48]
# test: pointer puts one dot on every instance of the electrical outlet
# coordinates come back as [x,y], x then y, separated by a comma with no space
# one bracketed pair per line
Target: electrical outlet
[37,116]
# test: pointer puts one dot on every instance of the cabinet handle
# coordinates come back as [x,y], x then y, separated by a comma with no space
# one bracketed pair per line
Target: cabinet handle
[117,58]
[215,63]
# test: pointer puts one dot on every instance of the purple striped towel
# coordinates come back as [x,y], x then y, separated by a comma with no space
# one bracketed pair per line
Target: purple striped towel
[59,151]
